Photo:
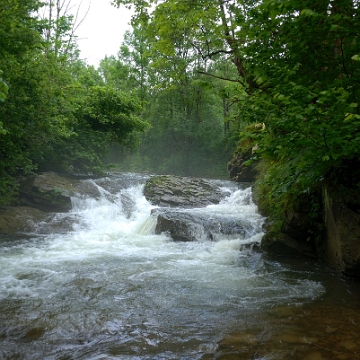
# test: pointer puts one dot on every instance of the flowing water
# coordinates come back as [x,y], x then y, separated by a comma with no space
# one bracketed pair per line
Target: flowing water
[97,283]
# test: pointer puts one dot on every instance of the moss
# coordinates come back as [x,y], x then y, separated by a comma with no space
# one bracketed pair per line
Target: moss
[270,203]
[249,137]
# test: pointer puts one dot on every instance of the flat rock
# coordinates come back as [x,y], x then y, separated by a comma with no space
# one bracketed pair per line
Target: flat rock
[185,192]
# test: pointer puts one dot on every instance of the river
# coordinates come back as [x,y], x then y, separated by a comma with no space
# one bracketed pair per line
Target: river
[105,286]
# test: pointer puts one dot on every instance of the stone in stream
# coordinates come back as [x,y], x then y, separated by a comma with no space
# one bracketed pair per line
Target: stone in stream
[46,192]
[15,219]
[41,201]
[184,192]
[187,226]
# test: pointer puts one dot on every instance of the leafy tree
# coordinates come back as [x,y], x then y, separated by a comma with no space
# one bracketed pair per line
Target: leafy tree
[59,28]
[307,83]
[103,117]
[186,109]
[54,113]
[19,42]
[297,66]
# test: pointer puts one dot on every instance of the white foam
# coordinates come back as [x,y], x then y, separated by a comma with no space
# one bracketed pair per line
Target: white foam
[119,229]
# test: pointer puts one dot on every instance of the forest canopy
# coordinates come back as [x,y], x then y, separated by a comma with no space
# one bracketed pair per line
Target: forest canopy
[55,111]
[297,74]
[184,89]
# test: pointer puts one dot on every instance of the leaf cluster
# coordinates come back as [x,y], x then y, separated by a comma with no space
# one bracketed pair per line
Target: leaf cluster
[55,112]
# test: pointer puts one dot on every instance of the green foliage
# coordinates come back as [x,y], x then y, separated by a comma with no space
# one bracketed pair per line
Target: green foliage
[103,116]
[184,105]
[298,74]
[314,92]
[109,111]
[3,89]
[18,39]
[54,113]
[199,72]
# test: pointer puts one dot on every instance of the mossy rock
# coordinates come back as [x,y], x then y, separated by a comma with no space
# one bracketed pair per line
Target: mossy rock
[47,192]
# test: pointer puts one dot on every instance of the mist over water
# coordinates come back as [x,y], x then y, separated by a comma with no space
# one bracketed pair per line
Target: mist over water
[107,287]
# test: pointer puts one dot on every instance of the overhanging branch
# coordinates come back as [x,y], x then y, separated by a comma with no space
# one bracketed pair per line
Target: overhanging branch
[220,77]
[209,55]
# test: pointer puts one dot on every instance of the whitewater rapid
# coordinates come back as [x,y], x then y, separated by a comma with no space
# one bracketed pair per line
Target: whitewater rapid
[109,287]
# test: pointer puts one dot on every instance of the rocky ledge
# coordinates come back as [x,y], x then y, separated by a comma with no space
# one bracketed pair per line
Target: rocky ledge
[39,195]
[176,197]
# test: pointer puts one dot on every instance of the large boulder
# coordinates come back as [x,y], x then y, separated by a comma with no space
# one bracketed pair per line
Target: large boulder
[180,200]
[46,192]
[190,226]
[19,219]
[340,247]
[281,244]
[297,232]
[240,170]
[185,192]
[39,195]
[332,236]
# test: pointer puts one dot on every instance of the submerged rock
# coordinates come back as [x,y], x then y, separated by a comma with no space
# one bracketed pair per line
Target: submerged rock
[186,192]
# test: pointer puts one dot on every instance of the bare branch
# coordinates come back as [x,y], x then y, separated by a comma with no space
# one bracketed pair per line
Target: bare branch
[220,77]
[209,55]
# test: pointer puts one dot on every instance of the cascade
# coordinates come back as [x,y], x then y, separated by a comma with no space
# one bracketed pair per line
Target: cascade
[109,287]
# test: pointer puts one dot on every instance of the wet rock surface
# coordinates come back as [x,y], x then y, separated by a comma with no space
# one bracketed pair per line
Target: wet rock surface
[281,244]
[333,236]
[14,219]
[177,196]
[239,170]
[46,192]
[39,195]
[187,226]
[295,236]
[341,246]
[185,192]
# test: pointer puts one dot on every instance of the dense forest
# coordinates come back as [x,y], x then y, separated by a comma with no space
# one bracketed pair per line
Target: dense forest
[193,83]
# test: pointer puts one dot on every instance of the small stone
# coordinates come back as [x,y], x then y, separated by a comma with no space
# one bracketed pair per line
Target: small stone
[330,329]
[240,338]
[348,344]
[295,339]
[314,356]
